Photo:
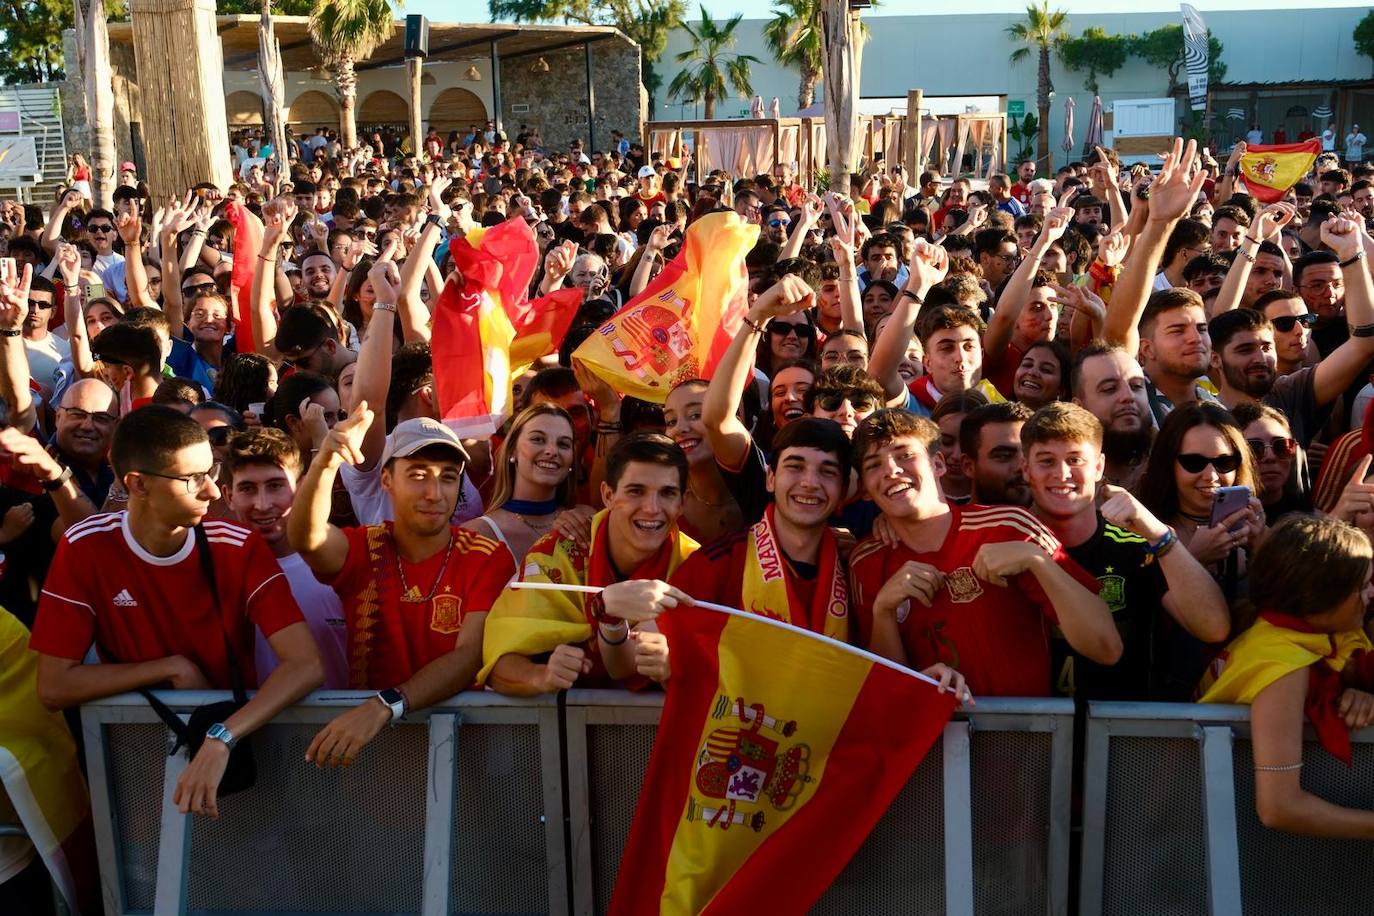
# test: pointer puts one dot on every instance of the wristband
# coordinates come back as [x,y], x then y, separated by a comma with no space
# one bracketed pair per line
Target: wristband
[1162,546]
[50,486]
[910,295]
[1248,238]
[1246,255]
[14,333]
[754,325]
[601,632]
[384,307]
[1357,256]
[1362,330]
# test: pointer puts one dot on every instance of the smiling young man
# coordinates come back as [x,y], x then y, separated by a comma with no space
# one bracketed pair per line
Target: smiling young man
[545,641]
[415,590]
[972,587]
[132,586]
[1134,556]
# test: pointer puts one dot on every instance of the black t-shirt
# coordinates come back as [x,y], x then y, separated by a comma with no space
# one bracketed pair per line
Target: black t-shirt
[24,561]
[1131,584]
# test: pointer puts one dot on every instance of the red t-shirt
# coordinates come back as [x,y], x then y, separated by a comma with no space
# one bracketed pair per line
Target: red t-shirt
[716,573]
[995,636]
[390,639]
[1021,192]
[1000,370]
[105,588]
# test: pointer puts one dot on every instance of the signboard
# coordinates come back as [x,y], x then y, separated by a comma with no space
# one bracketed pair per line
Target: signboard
[19,162]
[1016,108]
[9,121]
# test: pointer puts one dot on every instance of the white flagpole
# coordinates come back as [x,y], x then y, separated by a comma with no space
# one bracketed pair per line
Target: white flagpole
[735,612]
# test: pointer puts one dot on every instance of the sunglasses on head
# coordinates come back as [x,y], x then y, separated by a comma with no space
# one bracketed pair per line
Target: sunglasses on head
[1194,463]
[1286,323]
[782,329]
[1281,446]
[832,401]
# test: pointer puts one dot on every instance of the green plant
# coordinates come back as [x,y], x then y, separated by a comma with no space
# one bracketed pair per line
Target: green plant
[1042,31]
[1364,35]
[796,37]
[711,64]
[1163,48]
[1095,53]
[345,32]
[1024,132]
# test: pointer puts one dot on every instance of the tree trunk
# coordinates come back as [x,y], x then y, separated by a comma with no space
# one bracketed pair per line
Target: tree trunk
[271,84]
[100,106]
[709,106]
[346,87]
[806,92]
[841,78]
[1042,100]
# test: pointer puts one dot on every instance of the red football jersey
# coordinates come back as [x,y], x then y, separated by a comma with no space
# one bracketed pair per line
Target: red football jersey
[995,636]
[104,588]
[390,639]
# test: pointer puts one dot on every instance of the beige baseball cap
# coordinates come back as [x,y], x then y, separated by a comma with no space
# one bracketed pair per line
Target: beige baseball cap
[410,436]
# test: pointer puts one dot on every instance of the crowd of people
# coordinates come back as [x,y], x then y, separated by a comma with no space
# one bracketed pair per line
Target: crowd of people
[1101,434]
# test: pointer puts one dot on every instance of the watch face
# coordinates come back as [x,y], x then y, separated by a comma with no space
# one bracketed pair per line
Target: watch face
[391,696]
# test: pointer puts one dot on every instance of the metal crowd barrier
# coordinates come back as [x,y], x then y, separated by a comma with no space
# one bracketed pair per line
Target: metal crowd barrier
[462,809]
[1169,822]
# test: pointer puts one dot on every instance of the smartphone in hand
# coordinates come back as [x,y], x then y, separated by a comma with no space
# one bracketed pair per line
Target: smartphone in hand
[1227,501]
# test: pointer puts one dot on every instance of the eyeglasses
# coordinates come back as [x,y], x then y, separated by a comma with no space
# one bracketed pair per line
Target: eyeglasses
[1286,323]
[1194,463]
[99,417]
[299,360]
[102,227]
[1008,258]
[198,289]
[1281,446]
[782,329]
[194,482]
[832,402]
[219,435]
[1323,284]
[775,223]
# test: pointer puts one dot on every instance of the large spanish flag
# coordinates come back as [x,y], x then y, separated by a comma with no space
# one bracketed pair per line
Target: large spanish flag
[485,329]
[1269,171]
[247,244]
[777,752]
[679,327]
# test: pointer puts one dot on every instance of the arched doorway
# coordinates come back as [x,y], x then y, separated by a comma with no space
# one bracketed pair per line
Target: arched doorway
[456,109]
[313,109]
[383,108]
[243,109]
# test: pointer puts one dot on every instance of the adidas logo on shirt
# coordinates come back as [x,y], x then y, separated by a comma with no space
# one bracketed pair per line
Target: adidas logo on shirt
[124,599]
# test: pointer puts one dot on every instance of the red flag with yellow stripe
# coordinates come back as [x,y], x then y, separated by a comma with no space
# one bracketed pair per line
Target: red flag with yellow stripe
[1270,170]
[777,752]
[680,326]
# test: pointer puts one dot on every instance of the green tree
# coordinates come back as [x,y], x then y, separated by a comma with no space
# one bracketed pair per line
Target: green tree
[1095,53]
[796,38]
[1043,31]
[345,32]
[646,22]
[31,36]
[1163,48]
[1364,35]
[712,64]
[254,7]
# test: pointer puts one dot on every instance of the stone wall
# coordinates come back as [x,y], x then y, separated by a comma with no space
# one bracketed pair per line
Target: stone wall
[555,103]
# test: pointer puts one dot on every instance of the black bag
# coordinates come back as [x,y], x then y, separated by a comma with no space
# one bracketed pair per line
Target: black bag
[241,772]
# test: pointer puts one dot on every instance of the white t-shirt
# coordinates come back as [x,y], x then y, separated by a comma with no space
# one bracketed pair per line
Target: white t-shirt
[323,614]
[372,504]
[44,357]
[1162,282]
[1328,140]
[110,269]
[1354,147]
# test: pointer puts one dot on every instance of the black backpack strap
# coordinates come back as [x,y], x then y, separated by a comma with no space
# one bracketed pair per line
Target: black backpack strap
[207,568]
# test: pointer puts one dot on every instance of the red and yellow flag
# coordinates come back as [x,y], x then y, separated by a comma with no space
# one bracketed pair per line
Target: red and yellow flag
[486,331]
[1269,171]
[777,752]
[247,244]
[679,327]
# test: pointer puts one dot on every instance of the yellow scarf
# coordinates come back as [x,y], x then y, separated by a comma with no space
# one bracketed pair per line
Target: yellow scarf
[765,591]
[1266,652]
[534,622]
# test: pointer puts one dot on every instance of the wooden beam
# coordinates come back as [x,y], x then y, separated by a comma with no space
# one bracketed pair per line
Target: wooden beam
[549,49]
[441,49]
[231,63]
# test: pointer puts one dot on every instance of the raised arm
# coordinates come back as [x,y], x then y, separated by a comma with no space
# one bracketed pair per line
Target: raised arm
[68,261]
[1018,288]
[1345,236]
[277,216]
[323,546]
[929,265]
[52,231]
[1171,197]
[810,213]
[372,380]
[130,229]
[414,314]
[557,265]
[653,249]
[1271,220]
[14,359]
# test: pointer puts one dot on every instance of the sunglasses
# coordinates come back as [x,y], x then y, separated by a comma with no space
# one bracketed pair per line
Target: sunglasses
[1286,323]
[219,435]
[1194,463]
[199,289]
[775,223]
[1281,446]
[782,329]
[103,227]
[39,304]
[832,402]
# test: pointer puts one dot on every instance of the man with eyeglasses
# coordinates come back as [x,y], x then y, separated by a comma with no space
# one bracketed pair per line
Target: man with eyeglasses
[998,255]
[132,586]
[85,425]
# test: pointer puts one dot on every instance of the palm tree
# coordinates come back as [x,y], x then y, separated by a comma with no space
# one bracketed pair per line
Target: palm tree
[796,37]
[345,32]
[1042,31]
[714,65]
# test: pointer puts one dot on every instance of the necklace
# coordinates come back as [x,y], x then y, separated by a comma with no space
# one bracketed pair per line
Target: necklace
[401,573]
[538,529]
[706,502]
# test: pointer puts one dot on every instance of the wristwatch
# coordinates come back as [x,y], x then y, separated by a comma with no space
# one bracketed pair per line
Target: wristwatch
[394,700]
[51,485]
[220,732]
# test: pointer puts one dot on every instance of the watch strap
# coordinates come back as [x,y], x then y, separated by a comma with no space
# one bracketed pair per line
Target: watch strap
[51,485]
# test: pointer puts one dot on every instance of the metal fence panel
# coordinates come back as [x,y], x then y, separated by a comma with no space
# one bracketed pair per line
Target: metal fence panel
[134,755]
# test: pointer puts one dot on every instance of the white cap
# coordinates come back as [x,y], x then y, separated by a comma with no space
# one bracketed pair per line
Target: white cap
[647,171]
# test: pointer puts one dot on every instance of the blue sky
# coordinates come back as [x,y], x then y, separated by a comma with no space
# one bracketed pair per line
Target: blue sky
[476,10]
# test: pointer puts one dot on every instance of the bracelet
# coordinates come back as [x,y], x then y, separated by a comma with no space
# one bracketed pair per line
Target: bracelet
[199,232]
[1249,238]
[608,428]
[1286,768]
[263,257]
[1162,546]
[625,625]
[384,307]
[1246,255]
[910,295]
[753,324]
[1357,256]
[17,333]
[1362,330]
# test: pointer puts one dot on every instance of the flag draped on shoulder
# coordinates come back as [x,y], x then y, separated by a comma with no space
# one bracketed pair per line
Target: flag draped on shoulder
[1270,170]
[777,752]
[485,328]
[247,244]
[679,327]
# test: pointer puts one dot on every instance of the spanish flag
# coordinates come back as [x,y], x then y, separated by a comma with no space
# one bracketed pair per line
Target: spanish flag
[247,245]
[1269,171]
[777,752]
[486,331]
[679,327]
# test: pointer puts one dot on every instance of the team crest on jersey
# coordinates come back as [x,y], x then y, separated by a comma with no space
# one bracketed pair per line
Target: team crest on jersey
[963,585]
[1112,590]
[446,614]
[744,768]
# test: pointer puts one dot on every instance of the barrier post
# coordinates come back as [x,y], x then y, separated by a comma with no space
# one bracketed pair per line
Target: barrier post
[173,842]
[958,820]
[1219,795]
[443,759]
